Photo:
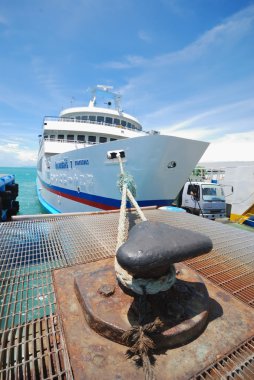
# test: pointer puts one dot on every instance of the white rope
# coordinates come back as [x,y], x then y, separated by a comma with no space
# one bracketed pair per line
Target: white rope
[137,285]
[136,206]
[151,285]
[120,163]
[122,219]
[129,193]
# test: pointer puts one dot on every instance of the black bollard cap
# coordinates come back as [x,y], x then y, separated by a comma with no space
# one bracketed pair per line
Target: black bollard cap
[152,247]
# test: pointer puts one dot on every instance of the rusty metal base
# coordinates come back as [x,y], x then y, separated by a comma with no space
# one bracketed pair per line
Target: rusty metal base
[94,357]
[110,311]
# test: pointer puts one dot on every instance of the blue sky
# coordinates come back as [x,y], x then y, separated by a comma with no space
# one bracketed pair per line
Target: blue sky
[184,67]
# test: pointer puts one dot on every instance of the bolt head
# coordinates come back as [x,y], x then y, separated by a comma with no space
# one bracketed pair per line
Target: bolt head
[106,290]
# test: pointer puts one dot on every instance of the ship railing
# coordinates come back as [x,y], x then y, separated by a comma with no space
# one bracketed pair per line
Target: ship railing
[55,140]
[74,120]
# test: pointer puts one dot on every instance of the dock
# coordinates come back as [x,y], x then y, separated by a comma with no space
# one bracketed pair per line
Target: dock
[33,344]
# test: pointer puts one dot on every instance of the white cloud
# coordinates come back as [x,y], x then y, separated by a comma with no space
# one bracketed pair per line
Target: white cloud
[46,76]
[232,29]
[231,147]
[176,6]
[128,62]
[226,33]
[194,134]
[230,110]
[196,118]
[20,101]
[144,36]
[3,20]
[12,146]
[13,154]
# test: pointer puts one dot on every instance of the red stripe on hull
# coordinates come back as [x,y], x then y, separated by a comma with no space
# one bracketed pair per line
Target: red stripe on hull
[101,206]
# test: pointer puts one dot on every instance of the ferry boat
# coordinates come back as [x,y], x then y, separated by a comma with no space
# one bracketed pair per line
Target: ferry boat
[78,166]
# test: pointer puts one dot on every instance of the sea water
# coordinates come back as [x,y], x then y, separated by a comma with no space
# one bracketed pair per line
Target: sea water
[28,200]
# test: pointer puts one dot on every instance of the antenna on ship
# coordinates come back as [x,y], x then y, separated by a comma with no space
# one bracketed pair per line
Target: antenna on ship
[108,89]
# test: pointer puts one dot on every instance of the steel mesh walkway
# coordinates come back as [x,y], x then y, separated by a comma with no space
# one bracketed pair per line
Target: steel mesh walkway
[230,265]
[31,337]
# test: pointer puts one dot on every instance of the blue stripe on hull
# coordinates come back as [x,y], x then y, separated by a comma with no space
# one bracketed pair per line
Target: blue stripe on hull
[45,204]
[95,200]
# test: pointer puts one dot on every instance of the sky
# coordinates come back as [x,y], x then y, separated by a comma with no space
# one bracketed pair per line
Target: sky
[183,67]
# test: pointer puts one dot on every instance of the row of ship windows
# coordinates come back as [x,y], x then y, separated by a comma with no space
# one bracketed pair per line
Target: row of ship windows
[80,138]
[107,120]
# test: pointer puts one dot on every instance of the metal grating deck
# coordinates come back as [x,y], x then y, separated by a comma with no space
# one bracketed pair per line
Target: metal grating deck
[230,265]
[32,344]
[238,364]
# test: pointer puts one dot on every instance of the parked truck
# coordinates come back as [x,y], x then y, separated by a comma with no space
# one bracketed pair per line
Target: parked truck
[202,198]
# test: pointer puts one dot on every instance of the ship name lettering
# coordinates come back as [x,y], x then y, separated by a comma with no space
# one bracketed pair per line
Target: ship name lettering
[62,164]
[81,162]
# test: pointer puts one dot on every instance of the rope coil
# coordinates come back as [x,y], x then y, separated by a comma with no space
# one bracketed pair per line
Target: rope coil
[151,285]
[128,180]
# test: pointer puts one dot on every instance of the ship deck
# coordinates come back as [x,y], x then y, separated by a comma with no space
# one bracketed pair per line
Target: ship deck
[32,339]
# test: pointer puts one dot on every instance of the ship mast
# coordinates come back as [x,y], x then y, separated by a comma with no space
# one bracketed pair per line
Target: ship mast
[108,89]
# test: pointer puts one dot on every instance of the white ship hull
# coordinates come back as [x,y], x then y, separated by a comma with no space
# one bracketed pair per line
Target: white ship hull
[86,180]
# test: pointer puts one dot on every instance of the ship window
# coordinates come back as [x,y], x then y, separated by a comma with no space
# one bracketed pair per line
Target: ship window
[85,117]
[103,139]
[123,122]
[111,139]
[45,137]
[109,120]
[92,118]
[70,137]
[129,125]
[52,137]
[81,138]
[60,137]
[100,119]
[92,139]
[78,118]
[116,121]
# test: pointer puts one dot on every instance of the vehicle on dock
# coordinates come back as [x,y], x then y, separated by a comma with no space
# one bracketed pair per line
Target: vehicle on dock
[237,180]
[9,190]
[203,198]
[78,166]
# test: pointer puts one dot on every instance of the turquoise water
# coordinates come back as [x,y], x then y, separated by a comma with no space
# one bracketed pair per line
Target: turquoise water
[26,178]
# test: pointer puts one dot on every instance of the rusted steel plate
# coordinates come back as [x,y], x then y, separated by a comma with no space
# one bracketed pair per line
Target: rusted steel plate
[95,357]
[110,311]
